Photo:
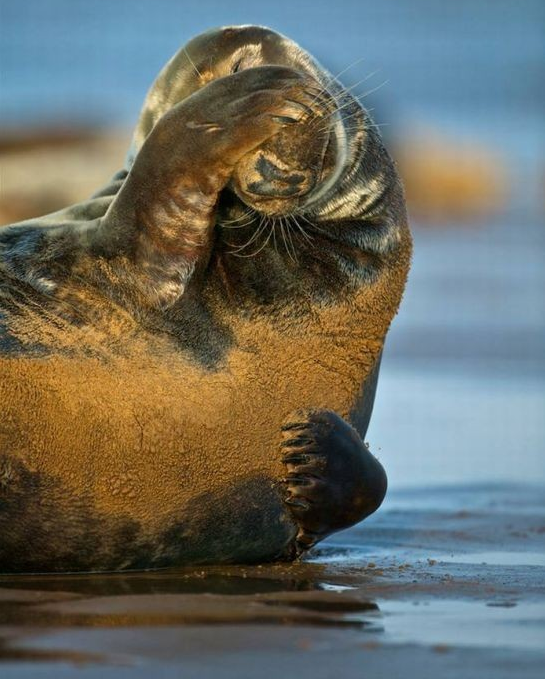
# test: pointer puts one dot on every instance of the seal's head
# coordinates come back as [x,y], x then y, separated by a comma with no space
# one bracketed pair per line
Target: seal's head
[292,169]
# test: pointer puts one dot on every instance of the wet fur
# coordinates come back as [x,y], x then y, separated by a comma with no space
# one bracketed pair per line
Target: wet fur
[144,386]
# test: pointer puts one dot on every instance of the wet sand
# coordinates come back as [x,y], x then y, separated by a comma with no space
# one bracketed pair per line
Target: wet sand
[448,582]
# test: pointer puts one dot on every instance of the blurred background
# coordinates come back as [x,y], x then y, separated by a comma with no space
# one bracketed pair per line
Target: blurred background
[459,90]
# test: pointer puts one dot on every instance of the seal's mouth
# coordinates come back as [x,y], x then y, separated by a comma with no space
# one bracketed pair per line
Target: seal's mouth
[269,188]
[279,178]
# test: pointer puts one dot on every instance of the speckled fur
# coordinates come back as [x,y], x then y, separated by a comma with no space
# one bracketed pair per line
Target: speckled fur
[146,370]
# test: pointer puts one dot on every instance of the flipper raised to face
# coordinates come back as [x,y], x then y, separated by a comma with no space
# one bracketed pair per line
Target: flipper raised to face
[242,128]
[296,166]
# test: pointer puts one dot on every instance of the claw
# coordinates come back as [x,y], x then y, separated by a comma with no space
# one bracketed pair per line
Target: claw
[285,120]
[306,110]
[306,539]
[294,425]
[299,441]
[298,503]
[296,458]
[297,480]
[208,127]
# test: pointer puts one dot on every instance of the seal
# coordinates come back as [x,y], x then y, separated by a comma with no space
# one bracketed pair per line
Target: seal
[189,358]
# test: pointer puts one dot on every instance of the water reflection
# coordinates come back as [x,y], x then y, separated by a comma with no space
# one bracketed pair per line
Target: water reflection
[162,582]
[179,598]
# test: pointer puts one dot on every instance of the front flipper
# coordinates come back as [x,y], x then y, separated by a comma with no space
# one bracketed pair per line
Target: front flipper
[159,227]
[333,481]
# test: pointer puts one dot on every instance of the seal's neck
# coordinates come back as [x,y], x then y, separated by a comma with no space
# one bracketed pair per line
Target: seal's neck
[368,190]
[337,242]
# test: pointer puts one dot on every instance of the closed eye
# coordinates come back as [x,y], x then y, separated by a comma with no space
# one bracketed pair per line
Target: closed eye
[236,66]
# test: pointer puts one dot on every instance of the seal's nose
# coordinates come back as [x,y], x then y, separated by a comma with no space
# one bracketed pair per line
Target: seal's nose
[273,181]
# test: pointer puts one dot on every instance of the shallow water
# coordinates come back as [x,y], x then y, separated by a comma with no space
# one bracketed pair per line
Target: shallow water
[466,623]
[496,558]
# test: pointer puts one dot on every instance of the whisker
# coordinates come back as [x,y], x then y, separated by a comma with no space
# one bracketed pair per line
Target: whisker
[335,77]
[352,98]
[360,82]
[325,119]
[284,237]
[192,63]
[289,233]
[351,101]
[311,224]
[270,223]
[265,242]
[253,237]
[308,238]
[236,219]
[375,89]
[274,236]
[245,213]
[354,127]
[238,226]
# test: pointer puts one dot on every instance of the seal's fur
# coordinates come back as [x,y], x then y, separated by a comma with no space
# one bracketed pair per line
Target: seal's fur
[147,367]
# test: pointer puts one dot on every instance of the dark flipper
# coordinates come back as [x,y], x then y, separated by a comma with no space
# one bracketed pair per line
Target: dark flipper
[333,481]
[142,246]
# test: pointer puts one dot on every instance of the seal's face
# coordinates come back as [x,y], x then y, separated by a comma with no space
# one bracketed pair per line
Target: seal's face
[281,175]
[287,172]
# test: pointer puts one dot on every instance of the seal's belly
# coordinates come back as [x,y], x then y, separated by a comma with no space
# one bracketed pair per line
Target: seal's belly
[135,445]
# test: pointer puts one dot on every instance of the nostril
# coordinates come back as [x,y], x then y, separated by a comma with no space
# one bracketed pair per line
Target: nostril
[271,180]
[267,169]
[294,179]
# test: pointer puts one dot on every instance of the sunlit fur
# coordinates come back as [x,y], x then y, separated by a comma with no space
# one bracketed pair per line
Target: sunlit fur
[154,338]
